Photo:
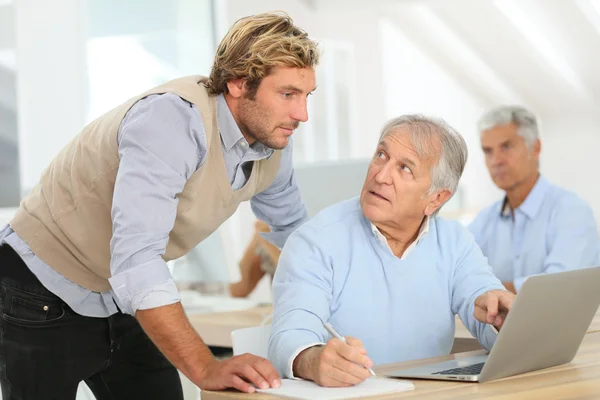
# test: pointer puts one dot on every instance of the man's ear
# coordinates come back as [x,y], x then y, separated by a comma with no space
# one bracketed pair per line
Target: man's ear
[236,88]
[536,149]
[437,201]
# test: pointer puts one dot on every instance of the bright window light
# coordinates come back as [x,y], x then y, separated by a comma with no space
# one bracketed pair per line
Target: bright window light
[591,10]
[8,59]
[463,52]
[120,67]
[524,22]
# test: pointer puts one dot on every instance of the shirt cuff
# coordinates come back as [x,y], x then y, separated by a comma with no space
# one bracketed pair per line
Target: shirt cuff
[290,371]
[162,294]
[133,281]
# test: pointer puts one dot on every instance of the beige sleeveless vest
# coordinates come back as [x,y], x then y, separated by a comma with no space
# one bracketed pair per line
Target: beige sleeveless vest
[66,219]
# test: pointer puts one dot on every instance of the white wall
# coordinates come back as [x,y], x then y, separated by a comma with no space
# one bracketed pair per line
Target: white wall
[358,27]
[570,145]
[299,10]
[416,84]
[51,80]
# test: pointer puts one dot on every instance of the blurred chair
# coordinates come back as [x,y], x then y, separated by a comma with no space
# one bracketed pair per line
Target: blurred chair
[253,340]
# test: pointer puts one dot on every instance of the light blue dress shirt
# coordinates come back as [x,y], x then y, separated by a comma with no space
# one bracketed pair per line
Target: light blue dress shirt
[335,269]
[161,144]
[553,230]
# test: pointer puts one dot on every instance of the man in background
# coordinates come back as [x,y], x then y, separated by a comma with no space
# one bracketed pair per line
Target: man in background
[538,227]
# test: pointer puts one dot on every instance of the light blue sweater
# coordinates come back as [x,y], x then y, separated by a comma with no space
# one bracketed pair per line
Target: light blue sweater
[334,269]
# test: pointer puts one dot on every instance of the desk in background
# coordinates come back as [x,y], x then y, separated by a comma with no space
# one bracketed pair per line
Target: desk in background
[578,379]
[215,328]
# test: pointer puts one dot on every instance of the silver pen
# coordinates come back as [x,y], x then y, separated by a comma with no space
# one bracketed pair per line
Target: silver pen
[336,335]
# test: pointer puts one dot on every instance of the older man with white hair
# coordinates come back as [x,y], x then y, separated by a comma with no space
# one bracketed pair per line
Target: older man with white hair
[537,227]
[383,267]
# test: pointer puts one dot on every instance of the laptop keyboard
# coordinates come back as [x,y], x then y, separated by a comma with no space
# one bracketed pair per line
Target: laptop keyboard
[474,369]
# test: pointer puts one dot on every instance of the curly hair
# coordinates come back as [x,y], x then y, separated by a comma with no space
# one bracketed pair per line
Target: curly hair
[254,45]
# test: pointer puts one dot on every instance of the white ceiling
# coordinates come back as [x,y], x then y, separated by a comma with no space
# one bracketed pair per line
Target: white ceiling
[544,53]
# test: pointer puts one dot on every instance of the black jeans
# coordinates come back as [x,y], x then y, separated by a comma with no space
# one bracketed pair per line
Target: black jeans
[46,348]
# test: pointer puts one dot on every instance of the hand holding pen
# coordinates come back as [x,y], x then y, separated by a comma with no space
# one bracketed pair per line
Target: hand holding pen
[356,342]
[341,362]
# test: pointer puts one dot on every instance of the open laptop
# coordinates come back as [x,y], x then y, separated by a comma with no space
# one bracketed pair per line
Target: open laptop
[545,327]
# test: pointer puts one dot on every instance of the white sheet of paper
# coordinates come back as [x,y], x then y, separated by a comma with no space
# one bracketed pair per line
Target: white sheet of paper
[300,389]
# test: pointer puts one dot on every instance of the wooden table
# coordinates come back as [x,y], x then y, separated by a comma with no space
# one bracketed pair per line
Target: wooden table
[576,380]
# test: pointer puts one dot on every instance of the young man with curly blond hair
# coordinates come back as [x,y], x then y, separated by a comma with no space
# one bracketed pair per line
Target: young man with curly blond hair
[85,290]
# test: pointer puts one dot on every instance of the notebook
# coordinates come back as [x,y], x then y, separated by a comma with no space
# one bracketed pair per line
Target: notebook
[375,385]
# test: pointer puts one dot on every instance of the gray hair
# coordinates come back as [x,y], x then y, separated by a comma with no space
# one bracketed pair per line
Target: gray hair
[525,121]
[453,156]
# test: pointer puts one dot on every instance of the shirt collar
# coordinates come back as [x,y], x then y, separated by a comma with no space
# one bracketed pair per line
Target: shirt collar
[423,230]
[230,131]
[532,202]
